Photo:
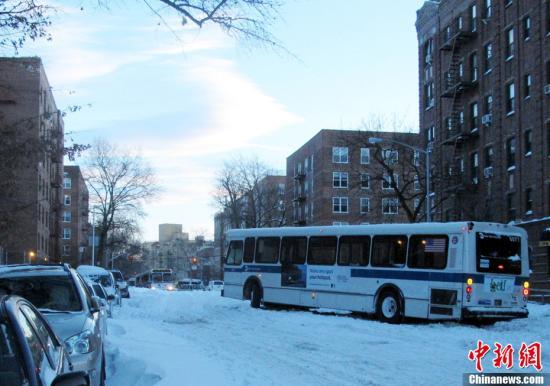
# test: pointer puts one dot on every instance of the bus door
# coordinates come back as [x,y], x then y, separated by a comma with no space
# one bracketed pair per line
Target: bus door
[232,269]
[437,256]
[293,268]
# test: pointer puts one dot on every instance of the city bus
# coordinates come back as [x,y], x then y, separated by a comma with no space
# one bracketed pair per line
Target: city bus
[456,271]
[159,278]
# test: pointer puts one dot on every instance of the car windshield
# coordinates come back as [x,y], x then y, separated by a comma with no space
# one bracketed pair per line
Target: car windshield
[11,372]
[498,253]
[118,276]
[53,293]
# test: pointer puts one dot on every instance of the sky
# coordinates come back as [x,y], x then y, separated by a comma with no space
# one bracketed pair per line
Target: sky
[189,99]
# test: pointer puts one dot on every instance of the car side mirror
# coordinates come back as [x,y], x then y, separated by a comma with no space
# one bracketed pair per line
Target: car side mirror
[78,378]
[110,297]
[95,305]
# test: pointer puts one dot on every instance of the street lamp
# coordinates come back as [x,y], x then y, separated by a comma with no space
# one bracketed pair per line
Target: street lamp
[427,152]
[31,255]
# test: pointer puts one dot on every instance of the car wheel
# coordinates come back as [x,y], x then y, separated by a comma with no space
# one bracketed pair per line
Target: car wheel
[389,309]
[255,296]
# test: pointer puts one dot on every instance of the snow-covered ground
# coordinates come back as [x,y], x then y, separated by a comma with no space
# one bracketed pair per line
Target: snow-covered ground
[199,338]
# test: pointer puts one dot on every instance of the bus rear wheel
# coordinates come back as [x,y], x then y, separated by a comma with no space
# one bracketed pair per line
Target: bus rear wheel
[255,296]
[389,308]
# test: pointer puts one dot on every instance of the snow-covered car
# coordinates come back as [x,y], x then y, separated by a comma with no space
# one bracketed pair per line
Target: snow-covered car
[196,284]
[106,306]
[184,285]
[215,285]
[60,294]
[122,285]
[103,277]
[25,338]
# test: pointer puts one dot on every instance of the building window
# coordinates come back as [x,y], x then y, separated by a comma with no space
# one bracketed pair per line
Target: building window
[391,156]
[460,162]
[428,52]
[511,206]
[474,167]
[66,250]
[387,183]
[365,156]
[526,23]
[460,120]
[510,47]
[527,83]
[430,134]
[510,98]
[416,158]
[339,204]
[473,18]
[488,56]
[66,233]
[511,181]
[390,205]
[528,139]
[528,201]
[511,152]
[340,155]
[489,156]
[365,181]
[507,3]
[488,9]
[474,68]
[429,95]
[416,183]
[474,116]
[339,180]
[365,205]
[66,216]
[67,183]
[67,199]
[548,22]
[488,104]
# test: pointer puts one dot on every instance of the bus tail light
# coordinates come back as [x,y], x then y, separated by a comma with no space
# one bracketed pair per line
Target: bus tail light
[470,281]
[525,290]
[468,290]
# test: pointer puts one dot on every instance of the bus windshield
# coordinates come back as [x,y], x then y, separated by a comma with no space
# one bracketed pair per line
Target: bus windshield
[498,253]
[161,277]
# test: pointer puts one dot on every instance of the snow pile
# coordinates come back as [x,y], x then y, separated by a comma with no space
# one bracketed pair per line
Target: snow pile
[187,338]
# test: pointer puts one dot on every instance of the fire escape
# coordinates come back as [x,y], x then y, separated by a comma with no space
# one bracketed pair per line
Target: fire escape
[460,79]
[299,197]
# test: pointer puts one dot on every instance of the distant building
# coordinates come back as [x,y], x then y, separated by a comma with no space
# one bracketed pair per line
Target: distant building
[74,228]
[484,85]
[169,232]
[31,163]
[333,179]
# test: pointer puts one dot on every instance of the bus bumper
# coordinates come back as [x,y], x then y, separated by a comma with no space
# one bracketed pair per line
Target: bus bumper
[494,313]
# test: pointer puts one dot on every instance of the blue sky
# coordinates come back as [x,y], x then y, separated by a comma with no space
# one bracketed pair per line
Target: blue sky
[191,102]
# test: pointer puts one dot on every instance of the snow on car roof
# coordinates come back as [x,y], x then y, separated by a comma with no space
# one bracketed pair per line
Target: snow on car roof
[91,270]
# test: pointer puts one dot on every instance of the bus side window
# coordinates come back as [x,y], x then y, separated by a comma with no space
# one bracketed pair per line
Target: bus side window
[235,253]
[322,250]
[249,250]
[293,250]
[389,251]
[354,250]
[267,250]
[428,251]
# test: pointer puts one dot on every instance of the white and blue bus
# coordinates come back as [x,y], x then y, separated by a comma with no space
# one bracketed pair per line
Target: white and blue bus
[426,270]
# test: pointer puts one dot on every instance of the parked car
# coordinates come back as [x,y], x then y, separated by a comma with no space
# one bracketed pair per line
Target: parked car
[196,284]
[215,285]
[184,285]
[30,352]
[132,282]
[74,314]
[122,285]
[103,277]
[105,305]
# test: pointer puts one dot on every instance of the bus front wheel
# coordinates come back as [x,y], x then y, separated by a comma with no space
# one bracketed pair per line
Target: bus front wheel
[389,308]
[255,296]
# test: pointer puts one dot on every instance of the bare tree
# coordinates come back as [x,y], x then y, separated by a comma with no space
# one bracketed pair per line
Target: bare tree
[246,196]
[21,20]
[119,183]
[248,20]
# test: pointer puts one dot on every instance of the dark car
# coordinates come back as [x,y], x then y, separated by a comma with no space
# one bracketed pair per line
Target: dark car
[30,352]
[61,295]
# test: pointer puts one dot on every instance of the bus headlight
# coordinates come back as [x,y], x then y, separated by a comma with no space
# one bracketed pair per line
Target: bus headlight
[79,343]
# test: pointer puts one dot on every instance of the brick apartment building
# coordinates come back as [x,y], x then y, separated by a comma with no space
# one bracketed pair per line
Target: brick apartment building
[333,179]
[75,227]
[484,83]
[31,163]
